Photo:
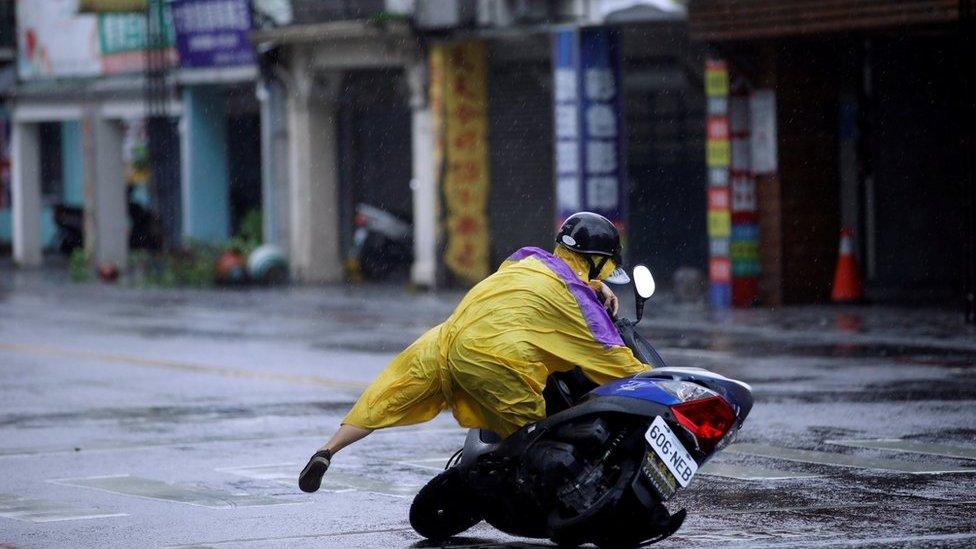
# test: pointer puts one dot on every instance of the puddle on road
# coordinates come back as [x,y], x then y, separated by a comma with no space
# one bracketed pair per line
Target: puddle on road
[750,472]
[910,446]
[42,510]
[159,490]
[845,460]
[336,480]
[799,344]
[174,414]
[742,536]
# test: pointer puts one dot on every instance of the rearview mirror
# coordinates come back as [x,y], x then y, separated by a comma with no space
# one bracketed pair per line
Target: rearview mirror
[643,281]
[643,288]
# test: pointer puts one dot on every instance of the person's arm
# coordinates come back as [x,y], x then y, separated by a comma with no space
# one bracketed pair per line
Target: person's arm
[611,364]
[606,295]
[586,339]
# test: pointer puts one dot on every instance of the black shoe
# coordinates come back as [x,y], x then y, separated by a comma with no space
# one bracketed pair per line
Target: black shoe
[311,477]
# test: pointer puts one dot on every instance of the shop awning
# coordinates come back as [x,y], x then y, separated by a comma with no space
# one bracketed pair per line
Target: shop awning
[642,11]
[80,88]
[327,32]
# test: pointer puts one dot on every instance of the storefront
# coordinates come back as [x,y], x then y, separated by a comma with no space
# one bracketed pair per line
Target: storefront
[379,106]
[868,107]
[79,135]
[664,120]
[521,200]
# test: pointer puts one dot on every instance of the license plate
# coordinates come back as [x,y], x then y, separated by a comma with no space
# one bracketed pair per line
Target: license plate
[659,476]
[666,445]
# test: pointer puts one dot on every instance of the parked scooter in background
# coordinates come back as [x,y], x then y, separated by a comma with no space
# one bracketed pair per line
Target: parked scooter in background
[70,222]
[144,233]
[382,245]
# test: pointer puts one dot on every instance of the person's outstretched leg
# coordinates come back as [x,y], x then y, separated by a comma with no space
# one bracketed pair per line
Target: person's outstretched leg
[311,476]
[406,392]
[346,435]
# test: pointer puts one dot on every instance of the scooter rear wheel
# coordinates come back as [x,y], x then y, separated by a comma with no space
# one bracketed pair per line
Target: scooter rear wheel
[442,508]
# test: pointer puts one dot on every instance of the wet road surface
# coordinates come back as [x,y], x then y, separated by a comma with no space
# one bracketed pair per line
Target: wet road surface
[181,419]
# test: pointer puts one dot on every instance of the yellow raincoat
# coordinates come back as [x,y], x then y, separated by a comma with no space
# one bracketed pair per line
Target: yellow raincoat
[490,359]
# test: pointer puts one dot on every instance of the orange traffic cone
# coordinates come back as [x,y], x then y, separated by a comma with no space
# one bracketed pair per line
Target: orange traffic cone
[847,281]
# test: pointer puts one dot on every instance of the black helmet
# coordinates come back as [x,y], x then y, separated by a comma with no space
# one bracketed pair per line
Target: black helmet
[592,234]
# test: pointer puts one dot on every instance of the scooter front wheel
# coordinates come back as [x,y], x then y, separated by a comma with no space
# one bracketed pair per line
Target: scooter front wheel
[442,508]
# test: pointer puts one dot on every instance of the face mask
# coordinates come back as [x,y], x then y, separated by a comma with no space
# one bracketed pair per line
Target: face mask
[609,271]
[617,275]
[604,264]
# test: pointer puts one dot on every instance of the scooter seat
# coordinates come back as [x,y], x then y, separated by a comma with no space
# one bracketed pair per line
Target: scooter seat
[489,437]
[477,443]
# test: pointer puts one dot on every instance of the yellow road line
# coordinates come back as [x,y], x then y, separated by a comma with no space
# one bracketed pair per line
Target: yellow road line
[179,366]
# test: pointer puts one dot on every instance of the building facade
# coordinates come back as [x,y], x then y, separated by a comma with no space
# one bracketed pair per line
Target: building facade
[873,126]
[82,134]
[352,119]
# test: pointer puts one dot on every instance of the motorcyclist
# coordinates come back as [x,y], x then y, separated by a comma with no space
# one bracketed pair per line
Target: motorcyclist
[489,361]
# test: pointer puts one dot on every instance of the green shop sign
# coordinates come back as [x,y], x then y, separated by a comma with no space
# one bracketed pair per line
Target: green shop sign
[124,32]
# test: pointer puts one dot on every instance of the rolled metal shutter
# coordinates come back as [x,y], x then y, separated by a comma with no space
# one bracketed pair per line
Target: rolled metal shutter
[520,202]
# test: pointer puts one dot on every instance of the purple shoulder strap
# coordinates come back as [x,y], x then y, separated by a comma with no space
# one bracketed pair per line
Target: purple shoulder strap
[597,319]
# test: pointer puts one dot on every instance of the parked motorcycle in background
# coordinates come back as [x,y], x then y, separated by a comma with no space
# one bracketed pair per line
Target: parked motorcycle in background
[382,245]
[601,466]
[144,231]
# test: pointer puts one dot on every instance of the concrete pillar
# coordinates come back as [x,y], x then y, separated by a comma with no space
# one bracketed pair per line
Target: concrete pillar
[25,155]
[205,177]
[313,173]
[274,163]
[106,208]
[424,184]
[72,163]
[269,118]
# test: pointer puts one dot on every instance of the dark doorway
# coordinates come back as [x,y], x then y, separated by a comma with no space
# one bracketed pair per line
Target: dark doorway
[375,154]
[520,201]
[244,169]
[665,122]
[917,196]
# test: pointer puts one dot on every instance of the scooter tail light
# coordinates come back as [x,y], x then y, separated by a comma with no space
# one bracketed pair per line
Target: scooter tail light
[360,220]
[708,420]
[685,391]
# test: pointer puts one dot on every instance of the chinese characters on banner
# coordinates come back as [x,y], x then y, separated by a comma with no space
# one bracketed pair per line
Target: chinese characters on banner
[744,243]
[589,163]
[718,157]
[213,33]
[733,228]
[123,39]
[55,40]
[458,85]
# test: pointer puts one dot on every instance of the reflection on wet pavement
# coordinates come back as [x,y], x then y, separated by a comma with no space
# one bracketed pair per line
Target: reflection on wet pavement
[216,397]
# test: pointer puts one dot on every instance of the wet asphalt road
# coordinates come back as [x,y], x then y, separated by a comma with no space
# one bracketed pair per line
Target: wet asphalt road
[181,418]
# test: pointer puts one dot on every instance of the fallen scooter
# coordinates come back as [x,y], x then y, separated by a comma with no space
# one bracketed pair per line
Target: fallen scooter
[601,466]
